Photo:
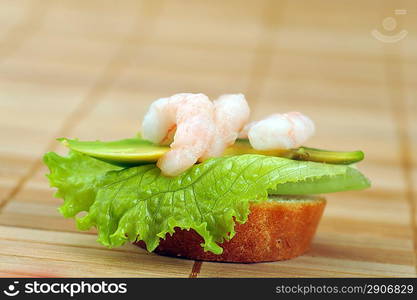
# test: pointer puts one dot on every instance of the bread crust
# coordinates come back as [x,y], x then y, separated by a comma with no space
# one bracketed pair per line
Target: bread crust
[275,230]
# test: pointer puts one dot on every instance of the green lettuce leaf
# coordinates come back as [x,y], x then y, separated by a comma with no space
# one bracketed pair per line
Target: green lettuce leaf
[350,180]
[139,203]
[76,177]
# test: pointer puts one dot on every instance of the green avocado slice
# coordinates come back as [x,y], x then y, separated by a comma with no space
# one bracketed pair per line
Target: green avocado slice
[135,151]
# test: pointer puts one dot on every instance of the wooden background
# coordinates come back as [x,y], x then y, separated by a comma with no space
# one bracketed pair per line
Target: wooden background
[89,69]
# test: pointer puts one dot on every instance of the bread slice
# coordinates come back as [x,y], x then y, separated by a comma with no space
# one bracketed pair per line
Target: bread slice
[278,229]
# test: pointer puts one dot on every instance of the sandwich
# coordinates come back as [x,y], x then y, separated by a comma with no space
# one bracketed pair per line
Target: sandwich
[201,182]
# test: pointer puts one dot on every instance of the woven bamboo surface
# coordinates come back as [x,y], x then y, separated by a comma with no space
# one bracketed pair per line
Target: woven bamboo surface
[89,69]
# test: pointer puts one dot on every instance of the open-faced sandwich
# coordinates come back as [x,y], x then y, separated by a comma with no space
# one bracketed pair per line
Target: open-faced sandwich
[201,182]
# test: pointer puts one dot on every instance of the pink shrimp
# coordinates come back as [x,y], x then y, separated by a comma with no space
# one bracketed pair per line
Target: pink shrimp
[279,131]
[190,116]
[231,113]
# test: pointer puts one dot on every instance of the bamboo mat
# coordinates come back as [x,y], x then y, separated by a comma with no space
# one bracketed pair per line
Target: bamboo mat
[89,69]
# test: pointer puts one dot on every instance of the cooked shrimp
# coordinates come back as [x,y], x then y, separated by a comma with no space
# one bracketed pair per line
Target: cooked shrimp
[279,131]
[231,113]
[190,116]
[243,134]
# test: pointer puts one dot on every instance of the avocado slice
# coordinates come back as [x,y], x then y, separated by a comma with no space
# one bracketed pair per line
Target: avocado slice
[135,151]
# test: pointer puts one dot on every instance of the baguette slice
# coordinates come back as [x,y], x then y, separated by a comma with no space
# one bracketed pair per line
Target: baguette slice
[278,229]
